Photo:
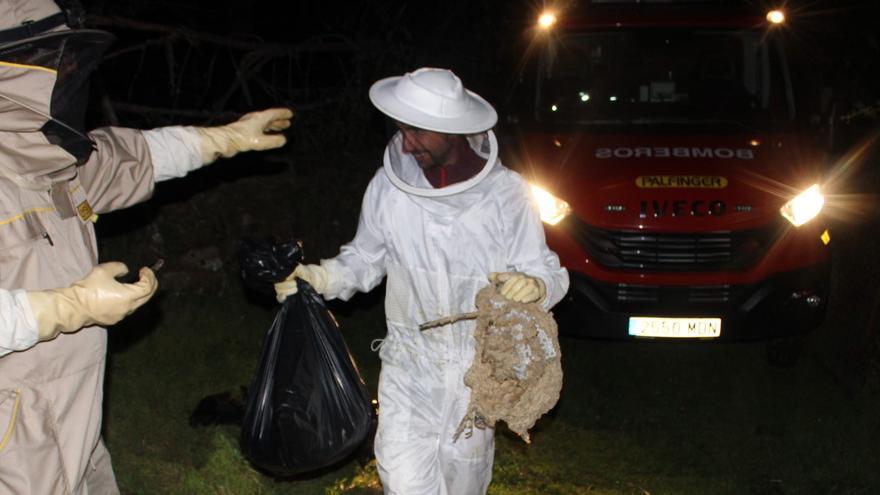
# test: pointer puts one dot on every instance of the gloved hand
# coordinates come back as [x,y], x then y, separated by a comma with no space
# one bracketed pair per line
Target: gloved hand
[246,134]
[315,275]
[96,299]
[519,287]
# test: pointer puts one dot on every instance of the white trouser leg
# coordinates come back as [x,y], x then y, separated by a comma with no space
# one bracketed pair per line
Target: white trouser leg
[420,407]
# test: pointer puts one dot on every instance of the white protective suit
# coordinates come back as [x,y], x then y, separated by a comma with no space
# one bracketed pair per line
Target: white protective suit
[437,247]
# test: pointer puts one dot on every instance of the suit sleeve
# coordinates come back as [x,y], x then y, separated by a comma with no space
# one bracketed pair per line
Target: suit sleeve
[175,150]
[120,172]
[18,327]
[528,251]
[128,162]
[360,264]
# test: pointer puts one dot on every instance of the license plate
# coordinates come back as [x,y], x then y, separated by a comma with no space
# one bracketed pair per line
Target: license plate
[681,328]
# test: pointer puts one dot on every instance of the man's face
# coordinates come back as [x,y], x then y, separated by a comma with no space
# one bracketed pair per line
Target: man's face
[429,148]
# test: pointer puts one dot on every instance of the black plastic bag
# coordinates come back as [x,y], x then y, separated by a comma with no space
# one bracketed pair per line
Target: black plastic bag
[307,406]
[264,262]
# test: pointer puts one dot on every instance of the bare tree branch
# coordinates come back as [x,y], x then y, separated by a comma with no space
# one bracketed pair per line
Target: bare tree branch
[148,110]
[331,43]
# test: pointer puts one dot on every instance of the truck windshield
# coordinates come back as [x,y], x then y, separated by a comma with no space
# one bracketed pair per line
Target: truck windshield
[650,76]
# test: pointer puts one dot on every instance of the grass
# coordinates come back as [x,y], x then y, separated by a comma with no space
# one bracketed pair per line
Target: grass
[633,418]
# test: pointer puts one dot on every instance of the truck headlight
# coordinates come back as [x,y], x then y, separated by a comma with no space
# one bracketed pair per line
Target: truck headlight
[546,20]
[776,16]
[552,209]
[803,207]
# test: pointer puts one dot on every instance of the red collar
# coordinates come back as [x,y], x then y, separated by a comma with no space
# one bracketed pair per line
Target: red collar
[442,176]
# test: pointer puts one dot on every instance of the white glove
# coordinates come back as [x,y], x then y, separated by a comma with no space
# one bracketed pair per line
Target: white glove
[96,299]
[316,275]
[246,134]
[519,287]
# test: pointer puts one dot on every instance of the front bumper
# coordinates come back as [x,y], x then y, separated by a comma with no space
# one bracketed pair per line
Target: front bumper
[783,305]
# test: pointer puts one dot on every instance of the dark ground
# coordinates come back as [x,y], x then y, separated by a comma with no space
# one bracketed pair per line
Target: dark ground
[634,417]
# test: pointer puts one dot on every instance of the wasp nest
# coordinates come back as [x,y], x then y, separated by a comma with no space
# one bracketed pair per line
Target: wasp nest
[516,375]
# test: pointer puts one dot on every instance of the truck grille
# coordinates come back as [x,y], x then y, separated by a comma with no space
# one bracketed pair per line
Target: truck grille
[701,251]
[623,296]
[629,293]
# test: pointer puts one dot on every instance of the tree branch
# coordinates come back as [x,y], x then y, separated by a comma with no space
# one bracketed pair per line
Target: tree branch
[321,44]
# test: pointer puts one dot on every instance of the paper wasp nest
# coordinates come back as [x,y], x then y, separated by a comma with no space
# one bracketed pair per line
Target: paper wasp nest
[516,375]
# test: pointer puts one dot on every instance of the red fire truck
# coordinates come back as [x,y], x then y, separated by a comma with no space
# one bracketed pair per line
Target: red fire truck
[675,181]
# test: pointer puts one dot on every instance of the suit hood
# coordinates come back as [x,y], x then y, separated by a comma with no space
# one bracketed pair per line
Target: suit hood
[405,173]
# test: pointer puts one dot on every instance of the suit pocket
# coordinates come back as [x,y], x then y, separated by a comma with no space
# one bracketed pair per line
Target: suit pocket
[20,233]
[10,403]
[26,245]
[30,459]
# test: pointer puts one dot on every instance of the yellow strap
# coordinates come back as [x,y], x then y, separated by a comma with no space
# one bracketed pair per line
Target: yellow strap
[34,67]
[11,427]
[15,218]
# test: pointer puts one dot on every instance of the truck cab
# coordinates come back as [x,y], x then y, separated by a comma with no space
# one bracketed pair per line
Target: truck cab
[676,182]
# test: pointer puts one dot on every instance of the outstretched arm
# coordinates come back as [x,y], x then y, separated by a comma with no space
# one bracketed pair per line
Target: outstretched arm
[360,265]
[177,150]
[28,317]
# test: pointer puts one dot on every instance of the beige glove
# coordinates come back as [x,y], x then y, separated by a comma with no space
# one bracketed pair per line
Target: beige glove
[246,134]
[315,275]
[519,287]
[96,299]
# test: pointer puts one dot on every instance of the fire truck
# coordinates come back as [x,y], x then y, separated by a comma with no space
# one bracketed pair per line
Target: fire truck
[676,182]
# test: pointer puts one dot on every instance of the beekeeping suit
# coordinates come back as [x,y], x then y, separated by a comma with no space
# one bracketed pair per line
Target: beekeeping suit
[54,179]
[437,248]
